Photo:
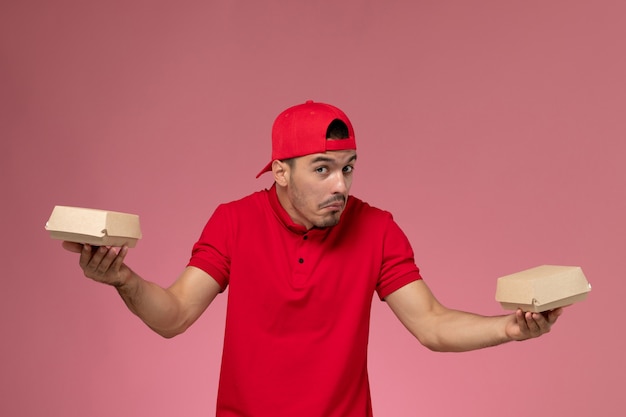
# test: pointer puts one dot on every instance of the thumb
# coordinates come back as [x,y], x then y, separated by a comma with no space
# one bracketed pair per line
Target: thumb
[72,246]
[554,314]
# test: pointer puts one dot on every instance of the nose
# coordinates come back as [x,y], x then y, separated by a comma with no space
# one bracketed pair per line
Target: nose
[340,184]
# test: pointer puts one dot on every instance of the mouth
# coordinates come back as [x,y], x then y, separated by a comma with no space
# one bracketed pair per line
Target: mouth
[334,204]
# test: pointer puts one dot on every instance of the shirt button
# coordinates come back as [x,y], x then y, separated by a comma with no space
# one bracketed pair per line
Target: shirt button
[301,260]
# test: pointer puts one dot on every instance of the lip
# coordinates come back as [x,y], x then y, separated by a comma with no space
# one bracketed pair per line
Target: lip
[334,204]
[334,207]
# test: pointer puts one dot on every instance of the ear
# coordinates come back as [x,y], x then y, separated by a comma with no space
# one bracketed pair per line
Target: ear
[281,172]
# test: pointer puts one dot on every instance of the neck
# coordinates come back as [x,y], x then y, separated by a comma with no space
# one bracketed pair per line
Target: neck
[285,202]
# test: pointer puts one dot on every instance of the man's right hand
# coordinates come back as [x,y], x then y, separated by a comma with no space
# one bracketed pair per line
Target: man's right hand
[101,263]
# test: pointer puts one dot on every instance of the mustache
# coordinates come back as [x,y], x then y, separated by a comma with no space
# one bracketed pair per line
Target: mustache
[338,198]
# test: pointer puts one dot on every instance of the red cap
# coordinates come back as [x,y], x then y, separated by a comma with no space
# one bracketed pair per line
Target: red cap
[301,130]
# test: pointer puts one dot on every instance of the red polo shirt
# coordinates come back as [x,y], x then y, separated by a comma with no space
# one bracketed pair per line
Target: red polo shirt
[299,304]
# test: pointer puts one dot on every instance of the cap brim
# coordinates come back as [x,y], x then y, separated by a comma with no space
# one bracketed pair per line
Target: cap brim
[268,167]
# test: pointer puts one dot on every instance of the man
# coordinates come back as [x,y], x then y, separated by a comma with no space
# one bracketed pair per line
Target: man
[302,261]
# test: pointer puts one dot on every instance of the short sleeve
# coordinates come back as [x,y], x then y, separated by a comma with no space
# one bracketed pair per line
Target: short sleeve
[211,253]
[398,263]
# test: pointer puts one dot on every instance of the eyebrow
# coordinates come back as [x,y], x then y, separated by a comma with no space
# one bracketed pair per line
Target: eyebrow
[327,159]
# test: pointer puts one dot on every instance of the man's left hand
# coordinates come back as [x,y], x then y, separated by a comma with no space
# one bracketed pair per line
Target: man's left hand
[527,325]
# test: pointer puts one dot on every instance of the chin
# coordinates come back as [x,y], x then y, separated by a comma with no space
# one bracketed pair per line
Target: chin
[329,221]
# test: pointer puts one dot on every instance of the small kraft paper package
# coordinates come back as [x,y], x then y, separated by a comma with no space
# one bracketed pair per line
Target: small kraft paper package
[542,288]
[93,226]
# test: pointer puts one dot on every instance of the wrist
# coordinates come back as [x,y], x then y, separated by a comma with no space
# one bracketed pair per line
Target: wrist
[126,284]
[505,336]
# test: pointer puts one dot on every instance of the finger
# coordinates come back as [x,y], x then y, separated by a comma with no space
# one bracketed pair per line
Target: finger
[543,325]
[554,315]
[544,322]
[521,321]
[533,322]
[109,255]
[72,246]
[119,259]
[86,256]
[91,259]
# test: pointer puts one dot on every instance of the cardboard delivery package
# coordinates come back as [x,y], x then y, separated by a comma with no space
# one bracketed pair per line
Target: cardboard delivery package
[93,226]
[542,288]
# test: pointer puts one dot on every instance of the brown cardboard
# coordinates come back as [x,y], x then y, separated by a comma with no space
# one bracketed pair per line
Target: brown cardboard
[542,288]
[93,226]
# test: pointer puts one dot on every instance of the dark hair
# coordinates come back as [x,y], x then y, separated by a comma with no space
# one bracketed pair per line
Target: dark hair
[337,130]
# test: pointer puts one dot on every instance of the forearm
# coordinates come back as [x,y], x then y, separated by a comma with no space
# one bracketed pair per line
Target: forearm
[167,311]
[457,331]
[443,329]
[155,306]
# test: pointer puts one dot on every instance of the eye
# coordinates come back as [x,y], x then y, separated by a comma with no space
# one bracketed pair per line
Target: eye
[348,169]
[321,170]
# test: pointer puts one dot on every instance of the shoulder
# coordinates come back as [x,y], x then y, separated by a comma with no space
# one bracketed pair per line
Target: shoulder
[237,211]
[227,218]
[360,209]
[250,202]
[363,216]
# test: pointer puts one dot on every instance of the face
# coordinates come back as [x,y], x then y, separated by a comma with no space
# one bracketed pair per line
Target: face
[314,188]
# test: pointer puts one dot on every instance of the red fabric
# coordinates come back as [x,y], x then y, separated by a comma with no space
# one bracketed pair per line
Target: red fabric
[299,304]
[301,130]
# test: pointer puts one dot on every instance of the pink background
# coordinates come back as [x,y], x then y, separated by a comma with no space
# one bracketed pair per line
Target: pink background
[494,131]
